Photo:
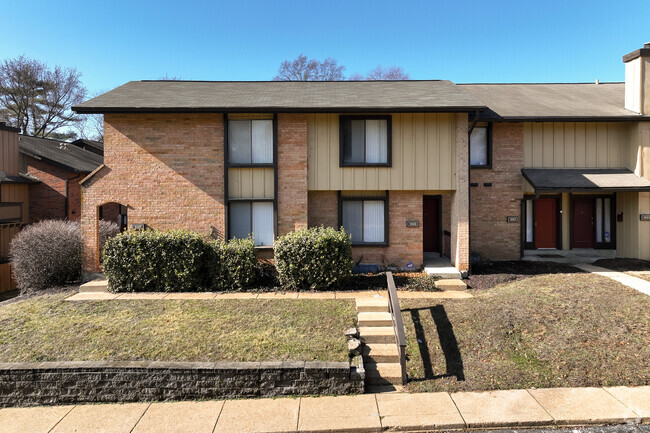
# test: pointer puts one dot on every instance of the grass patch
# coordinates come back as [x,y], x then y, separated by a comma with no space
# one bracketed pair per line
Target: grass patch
[545,331]
[46,328]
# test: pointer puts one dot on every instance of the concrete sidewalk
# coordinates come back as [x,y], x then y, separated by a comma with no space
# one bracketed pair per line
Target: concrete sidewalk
[361,413]
[638,284]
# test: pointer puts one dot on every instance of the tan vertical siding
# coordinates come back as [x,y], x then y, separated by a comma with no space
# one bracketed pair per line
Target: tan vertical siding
[423,155]
[9,152]
[627,231]
[577,144]
[250,182]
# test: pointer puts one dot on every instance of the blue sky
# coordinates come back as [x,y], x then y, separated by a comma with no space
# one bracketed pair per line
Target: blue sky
[114,41]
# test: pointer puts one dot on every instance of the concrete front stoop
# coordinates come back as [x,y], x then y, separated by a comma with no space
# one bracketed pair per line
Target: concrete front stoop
[97,285]
[380,355]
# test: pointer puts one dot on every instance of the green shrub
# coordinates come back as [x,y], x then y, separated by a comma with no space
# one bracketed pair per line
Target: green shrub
[317,258]
[46,254]
[160,261]
[234,264]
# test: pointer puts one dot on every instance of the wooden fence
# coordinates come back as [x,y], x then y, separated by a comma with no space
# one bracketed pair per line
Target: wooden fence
[7,282]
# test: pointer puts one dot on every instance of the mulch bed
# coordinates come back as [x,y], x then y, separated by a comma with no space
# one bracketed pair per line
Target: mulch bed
[624,265]
[486,275]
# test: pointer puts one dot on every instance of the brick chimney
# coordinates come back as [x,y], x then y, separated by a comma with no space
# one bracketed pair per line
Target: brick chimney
[637,80]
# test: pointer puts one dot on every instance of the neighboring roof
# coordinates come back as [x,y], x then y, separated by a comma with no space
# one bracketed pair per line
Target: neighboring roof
[90,145]
[60,153]
[584,179]
[553,101]
[21,178]
[281,96]
[5,127]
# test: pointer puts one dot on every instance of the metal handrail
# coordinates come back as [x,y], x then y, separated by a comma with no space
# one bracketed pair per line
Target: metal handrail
[398,324]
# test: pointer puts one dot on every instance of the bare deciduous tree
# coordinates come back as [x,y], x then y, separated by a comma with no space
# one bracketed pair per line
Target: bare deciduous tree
[38,99]
[390,73]
[91,126]
[304,69]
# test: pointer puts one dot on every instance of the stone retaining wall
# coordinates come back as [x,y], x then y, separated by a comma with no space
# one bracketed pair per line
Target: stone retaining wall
[26,384]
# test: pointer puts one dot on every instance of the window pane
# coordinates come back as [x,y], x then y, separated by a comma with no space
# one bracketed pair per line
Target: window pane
[240,219]
[376,141]
[599,220]
[373,224]
[239,141]
[478,146]
[353,219]
[529,221]
[354,142]
[608,220]
[263,223]
[262,138]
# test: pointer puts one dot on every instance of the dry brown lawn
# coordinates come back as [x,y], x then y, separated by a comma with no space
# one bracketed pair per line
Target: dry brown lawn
[550,330]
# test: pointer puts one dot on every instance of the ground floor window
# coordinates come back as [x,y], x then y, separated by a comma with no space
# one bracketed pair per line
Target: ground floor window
[365,219]
[252,218]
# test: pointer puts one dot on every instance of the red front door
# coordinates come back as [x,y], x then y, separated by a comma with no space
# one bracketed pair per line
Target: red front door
[431,224]
[582,223]
[545,223]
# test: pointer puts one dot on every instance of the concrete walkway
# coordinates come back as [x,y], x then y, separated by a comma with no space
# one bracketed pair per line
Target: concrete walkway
[361,413]
[638,284]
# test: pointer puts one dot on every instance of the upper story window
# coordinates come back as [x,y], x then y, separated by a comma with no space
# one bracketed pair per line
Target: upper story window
[250,141]
[480,146]
[365,140]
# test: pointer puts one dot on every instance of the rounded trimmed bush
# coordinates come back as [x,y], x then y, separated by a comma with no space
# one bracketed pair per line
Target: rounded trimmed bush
[158,261]
[107,229]
[317,258]
[46,254]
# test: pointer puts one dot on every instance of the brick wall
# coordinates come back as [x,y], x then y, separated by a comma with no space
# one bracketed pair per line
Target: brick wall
[47,200]
[168,170]
[405,243]
[492,236]
[292,173]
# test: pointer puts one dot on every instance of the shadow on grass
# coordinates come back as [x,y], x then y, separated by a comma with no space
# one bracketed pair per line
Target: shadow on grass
[447,340]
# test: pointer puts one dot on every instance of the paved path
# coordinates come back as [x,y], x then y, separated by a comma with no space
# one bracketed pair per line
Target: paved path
[361,413]
[100,296]
[642,286]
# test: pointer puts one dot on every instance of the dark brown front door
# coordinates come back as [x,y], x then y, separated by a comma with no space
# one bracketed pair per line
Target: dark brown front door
[546,223]
[582,222]
[431,224]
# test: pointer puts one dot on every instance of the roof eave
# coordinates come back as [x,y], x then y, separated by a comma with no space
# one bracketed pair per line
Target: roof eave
[143,110]
[622,118]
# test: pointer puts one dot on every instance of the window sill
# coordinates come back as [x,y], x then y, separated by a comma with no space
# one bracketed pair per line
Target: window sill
[484,167]
[263,247]
[382,244]
[361,164]
[246,165]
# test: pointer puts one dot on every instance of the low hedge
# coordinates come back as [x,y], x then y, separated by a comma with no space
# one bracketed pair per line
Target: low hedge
[317,258]
[177,261]
[157,261]
[234,264]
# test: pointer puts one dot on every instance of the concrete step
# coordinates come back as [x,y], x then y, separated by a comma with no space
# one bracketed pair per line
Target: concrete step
[375,319]
[98,285]
[450,284]
[383,373]
[381,353]
[377,334]
[371,305]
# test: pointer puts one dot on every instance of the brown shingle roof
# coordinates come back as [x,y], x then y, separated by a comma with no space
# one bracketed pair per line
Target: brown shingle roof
[554,101]
[584,179]
[282,96]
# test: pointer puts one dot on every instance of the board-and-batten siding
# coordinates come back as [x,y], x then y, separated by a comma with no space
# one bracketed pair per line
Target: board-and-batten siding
[423,155]
[576,145]
[17,193]
[250,182]
[9,152]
